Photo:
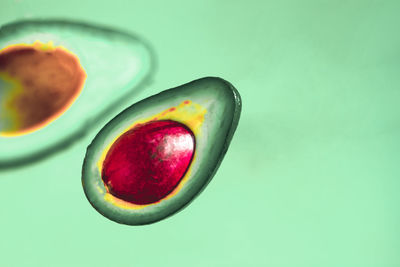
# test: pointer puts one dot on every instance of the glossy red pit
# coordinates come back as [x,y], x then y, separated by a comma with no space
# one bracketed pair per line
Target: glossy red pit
[147,162]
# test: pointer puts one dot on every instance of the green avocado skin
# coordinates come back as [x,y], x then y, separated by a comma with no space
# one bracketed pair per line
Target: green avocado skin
[223,104]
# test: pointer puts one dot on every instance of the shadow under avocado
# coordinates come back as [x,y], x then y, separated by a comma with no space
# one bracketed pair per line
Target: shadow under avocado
[92,120]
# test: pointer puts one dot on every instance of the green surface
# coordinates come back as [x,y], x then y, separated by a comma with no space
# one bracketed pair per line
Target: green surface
[222,104]
[311,178]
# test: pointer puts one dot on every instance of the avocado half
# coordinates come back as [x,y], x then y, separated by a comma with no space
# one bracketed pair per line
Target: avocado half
[208,109]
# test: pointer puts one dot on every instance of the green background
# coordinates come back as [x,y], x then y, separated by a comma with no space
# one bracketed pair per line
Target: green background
[312,175]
